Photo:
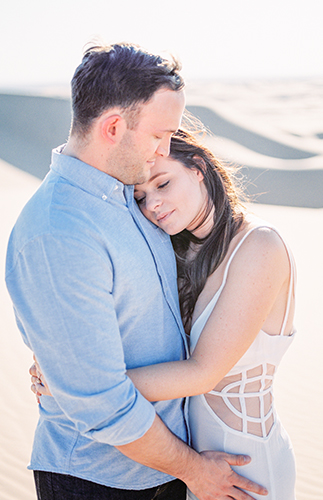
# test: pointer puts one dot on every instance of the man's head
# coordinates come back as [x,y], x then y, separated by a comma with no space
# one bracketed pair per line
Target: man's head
[127,103]
[120,75]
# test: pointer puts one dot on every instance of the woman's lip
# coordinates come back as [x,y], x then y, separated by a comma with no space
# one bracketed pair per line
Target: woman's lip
[164,216]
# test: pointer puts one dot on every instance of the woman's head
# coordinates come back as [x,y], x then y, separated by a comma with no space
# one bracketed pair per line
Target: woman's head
[174,197]
[187,188]
[192,196]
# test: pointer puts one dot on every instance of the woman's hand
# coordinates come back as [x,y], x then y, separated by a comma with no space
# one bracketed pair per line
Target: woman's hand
[39,386]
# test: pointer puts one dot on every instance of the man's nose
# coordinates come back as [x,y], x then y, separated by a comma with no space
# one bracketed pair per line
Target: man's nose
[164,147]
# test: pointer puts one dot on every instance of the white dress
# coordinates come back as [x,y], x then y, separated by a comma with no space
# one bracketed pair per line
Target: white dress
[247,422]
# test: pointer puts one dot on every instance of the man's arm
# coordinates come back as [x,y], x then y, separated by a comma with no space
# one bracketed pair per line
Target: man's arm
[208,474]
[61,289]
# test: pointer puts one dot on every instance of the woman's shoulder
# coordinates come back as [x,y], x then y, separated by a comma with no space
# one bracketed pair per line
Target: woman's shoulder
[262,233]
[261,242]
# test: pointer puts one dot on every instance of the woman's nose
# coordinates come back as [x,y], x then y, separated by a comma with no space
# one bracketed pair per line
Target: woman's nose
[152,203]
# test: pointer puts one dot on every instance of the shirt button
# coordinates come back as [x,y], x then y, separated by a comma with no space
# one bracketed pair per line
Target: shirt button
[104,197]
[116,187]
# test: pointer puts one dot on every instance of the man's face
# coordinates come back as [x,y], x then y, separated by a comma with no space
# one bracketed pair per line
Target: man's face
[139,148]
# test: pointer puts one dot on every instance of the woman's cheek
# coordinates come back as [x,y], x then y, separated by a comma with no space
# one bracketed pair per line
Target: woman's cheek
[149,216]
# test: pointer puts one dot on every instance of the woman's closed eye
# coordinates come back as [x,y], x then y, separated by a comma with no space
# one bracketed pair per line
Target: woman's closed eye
[140,199]
[162,186]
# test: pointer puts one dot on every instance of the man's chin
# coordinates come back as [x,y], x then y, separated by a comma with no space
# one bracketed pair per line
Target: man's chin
[142,179]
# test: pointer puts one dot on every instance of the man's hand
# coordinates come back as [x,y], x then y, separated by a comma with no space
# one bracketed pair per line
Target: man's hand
[208,474]
[217,481]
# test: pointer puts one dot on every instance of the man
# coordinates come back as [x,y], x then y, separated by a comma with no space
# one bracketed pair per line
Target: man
[94,291]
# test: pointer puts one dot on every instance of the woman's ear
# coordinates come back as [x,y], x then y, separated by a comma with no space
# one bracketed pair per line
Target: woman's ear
[202,167]
[112,127]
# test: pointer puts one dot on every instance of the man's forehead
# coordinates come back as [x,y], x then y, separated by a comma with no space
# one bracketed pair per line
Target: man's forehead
[165,113]
[164,97]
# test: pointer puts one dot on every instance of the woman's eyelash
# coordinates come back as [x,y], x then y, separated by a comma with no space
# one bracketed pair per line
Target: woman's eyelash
[140,200]
[163,185]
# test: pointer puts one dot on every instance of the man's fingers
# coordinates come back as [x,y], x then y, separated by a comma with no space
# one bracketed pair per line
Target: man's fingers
[234,459]
[238,494]
[240,482]
[247,484]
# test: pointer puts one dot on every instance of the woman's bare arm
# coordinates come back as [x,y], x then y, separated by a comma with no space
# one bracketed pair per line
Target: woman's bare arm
[256,276]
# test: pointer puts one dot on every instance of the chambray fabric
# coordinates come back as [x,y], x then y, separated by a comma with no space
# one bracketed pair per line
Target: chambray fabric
[93,285]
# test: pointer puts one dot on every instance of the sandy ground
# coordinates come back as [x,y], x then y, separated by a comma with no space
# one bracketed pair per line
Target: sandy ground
[18,417]
[293,123]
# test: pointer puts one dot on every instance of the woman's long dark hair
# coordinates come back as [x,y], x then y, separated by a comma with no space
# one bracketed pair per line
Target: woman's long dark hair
[228,218]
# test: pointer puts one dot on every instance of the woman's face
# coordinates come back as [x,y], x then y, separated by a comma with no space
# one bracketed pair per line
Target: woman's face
[174,198]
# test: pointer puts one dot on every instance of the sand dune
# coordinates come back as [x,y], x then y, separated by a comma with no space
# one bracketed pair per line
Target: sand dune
[274,172]
[273,130]
[221,127]
[30,127]
[283,161]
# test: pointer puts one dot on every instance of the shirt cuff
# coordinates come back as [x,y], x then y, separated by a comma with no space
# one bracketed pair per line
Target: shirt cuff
[129,427]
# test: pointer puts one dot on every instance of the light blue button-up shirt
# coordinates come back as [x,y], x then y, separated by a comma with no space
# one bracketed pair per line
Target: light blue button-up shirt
[93,285]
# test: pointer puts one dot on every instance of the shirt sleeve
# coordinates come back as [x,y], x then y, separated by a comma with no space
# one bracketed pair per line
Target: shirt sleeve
[61,288]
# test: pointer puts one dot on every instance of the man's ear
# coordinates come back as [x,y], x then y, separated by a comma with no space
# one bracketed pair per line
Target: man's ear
[112,127]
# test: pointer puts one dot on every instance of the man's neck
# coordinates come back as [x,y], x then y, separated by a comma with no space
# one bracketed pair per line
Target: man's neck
[73,149]
[85,151]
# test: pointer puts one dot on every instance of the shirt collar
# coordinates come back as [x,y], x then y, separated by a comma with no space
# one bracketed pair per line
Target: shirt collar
[88,178]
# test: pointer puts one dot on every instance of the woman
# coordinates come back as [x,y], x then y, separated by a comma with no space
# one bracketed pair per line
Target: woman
[236,281]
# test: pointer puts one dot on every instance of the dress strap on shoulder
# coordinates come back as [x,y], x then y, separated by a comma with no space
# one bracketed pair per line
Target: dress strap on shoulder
[214,299]
[234,252]
[292,269]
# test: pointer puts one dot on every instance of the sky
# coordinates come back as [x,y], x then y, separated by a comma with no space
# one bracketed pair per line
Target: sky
[42,41]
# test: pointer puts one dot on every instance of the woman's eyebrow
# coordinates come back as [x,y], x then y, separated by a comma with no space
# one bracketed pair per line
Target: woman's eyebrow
[156,175]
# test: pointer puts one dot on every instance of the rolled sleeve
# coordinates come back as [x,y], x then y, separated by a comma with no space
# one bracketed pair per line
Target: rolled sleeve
[63,290]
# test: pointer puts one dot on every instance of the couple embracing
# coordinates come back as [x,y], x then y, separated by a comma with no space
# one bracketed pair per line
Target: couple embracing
[135,213]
